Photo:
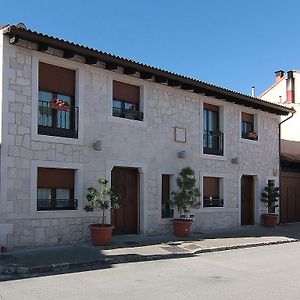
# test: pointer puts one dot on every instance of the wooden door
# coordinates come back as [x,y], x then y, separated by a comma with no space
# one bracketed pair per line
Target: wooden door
[126,218]
[247,200]
[290,197]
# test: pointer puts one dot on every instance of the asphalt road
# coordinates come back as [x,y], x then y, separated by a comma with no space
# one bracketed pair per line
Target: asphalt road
[271,272]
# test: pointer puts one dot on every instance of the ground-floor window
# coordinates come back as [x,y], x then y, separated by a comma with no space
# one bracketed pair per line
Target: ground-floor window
[212,192]
[55,189]
[166,207]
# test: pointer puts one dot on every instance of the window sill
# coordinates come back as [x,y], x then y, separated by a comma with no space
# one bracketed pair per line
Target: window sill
[213,156]
[217,209]
[56,139]
[248,141]
[126,121]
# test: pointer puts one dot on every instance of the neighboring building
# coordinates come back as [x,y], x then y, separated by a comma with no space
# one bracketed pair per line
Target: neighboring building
[132,123]
[286,91]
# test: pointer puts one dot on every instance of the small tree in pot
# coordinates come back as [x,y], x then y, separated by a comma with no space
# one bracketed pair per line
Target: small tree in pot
[270,196]
[104,198]
[186,197]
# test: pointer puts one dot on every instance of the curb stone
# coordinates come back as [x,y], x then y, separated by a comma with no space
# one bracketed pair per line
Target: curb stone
[127,258]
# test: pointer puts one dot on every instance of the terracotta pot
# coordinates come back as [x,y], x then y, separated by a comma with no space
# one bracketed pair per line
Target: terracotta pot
[101,235]
[182,228]
[269,220]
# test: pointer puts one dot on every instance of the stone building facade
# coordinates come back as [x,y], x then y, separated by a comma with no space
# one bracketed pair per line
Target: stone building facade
[167,138]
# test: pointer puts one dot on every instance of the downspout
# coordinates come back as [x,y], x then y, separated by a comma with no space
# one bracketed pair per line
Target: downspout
[280,171]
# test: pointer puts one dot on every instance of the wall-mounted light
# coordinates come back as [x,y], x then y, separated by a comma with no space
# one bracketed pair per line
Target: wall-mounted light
[235,161]
[181,154]
[97,146]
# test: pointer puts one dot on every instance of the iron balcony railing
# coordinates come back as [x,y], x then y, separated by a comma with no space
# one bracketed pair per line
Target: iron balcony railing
[213,142]
[213,202]
[55,121]
[127,114]
[56,204]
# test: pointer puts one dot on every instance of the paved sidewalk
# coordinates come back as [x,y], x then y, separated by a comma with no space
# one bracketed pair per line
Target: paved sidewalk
[132,248]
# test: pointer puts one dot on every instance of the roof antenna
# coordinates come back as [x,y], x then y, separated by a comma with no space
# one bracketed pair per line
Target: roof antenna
[253,91]
[21,26]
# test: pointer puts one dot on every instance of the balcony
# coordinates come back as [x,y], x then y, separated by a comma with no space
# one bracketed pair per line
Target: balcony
[213,142]
[128,114]
[54,121]
[56,204]
[213,202]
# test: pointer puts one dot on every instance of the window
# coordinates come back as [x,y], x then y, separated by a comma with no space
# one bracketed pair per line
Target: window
[248,127]
[55,189]
[166,209]
[126,101]
[211,192]
[57,115]
[212,136]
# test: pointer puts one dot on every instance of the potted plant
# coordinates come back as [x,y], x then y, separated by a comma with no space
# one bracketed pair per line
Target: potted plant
[270,196]
[104,198]
[60,104]
[186,197]
[252,135]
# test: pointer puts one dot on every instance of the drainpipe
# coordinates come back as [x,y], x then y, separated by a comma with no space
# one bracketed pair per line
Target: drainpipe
[280,171]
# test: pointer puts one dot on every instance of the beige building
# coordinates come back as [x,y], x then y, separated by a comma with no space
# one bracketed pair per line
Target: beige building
[286,91]
[70,114]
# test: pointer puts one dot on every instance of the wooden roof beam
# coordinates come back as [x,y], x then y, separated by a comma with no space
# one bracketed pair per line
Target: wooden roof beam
[111,66]
[145,75]
[129,71]
[90,60]
[161,79]
[187,87]
[174,83]
[42,47]
[68,54]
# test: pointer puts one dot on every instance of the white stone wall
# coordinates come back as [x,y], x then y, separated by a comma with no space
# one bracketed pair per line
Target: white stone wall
[147,145]
[289,129]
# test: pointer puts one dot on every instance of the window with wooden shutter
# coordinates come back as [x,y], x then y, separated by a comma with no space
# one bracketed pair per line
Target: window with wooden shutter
[55,189]
[126,101]
[57,113]
[211,192]
[247,127]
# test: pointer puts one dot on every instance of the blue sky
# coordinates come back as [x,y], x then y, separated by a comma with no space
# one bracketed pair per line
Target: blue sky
[232,43]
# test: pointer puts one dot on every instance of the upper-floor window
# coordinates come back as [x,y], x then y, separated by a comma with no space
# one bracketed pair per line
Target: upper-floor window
[55,189]
[57,113]
[212,192]
[212,135]
[247,129]
[126,101]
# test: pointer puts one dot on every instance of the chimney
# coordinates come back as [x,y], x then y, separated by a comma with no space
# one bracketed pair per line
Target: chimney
[278,75]
[253,91]
[290,87]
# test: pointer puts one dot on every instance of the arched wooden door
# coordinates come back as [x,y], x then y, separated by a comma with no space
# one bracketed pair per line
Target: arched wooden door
[126,218]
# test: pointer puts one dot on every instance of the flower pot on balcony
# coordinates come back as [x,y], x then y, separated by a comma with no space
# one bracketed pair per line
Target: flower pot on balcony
[269,220]
[182,228]
[59,104]
[101,234]
[252,135]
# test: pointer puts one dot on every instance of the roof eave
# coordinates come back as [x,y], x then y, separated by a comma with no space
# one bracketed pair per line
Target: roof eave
[186,83]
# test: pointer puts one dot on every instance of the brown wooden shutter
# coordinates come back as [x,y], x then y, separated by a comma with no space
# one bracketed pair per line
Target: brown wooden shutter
[55,178]
[165,188]
[126,92]
[249,118]
[56,79]
[210,107]
[211,187]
